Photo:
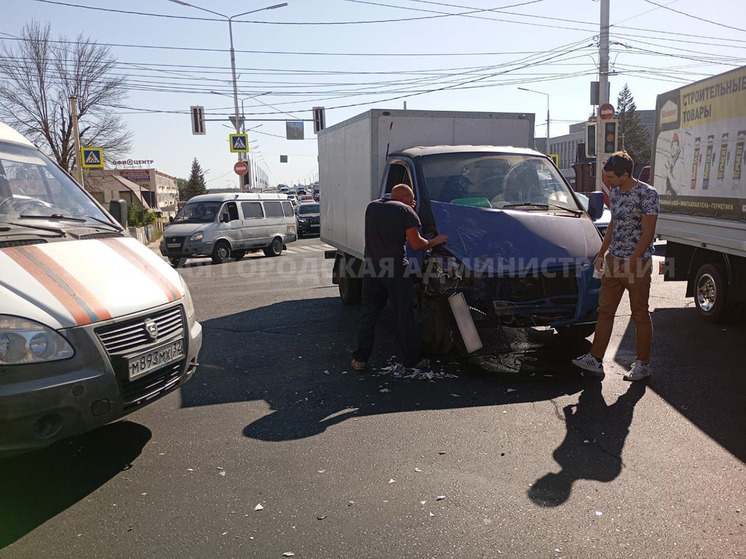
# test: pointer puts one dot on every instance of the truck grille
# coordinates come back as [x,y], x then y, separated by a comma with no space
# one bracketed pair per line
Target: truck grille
[130,338]
[171,243]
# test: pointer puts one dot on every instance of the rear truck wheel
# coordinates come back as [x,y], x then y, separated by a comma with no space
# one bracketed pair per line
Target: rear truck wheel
[576,331]
[275,247]
[176,262]
[238,254]
[435,332]
[350,290]
[711,294]
[221,252]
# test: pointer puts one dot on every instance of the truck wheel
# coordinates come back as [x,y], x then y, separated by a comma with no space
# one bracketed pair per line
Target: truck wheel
[350,290]
[711,294]
[221,252]
[576,332]
[238,254]
[275,248]
[435,332]
[176,262]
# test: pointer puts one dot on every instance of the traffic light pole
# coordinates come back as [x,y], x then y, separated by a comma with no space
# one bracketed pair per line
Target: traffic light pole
[603,89]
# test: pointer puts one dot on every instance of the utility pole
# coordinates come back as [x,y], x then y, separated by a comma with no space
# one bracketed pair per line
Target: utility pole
[603,88]
[76,140]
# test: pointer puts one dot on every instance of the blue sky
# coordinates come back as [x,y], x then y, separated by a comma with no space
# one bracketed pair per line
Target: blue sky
[353,55]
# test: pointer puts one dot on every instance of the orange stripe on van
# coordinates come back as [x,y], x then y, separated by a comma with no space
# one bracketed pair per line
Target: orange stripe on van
[55,286]
[169,290]
[77,290]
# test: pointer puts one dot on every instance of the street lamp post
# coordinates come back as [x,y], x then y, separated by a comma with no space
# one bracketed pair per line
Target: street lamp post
[233,52]
[547,95]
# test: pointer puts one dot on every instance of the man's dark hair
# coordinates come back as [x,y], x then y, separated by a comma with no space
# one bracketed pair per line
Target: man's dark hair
[619,163]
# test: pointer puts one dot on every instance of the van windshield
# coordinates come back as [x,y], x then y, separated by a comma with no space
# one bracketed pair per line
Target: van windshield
[198,212]
[33,188]
[496,181]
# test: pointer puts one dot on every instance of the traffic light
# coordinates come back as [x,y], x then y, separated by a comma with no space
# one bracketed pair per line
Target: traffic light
[319,119]
[610,136]
[590,139]
[198,120]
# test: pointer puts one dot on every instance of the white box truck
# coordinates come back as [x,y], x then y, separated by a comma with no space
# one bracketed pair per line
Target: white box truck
[698,165]
[520,242]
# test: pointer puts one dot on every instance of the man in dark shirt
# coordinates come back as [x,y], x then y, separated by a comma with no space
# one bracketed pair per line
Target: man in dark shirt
[389,224]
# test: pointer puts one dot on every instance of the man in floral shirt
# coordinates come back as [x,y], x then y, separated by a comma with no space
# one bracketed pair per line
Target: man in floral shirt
[627,266]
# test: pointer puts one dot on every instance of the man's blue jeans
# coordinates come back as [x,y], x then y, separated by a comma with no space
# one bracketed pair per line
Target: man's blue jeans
[400,291]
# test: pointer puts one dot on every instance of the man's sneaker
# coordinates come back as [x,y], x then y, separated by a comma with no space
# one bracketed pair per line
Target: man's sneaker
[423,364]
[358,365]
[638,371]
[589,364]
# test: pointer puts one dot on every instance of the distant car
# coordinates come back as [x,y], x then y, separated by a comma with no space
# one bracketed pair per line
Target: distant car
[306,198]
[602,222]
[307,218]
[301,192]
[293,199]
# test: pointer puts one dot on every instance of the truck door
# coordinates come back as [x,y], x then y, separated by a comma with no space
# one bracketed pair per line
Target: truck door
[402,171]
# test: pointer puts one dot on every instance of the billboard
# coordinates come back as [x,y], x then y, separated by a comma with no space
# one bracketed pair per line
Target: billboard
[698,154]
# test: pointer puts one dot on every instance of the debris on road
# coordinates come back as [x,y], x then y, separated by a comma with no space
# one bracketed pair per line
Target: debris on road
[259,507]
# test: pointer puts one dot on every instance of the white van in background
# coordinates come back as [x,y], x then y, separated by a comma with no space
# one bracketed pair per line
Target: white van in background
[225,226]
[93,324]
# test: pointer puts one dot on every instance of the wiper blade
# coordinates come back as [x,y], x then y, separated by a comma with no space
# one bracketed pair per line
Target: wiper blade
[53,217]
[38,227]
[544,206]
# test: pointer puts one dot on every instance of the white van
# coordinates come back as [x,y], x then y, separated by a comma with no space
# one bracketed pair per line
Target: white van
[225,226]
[93,324]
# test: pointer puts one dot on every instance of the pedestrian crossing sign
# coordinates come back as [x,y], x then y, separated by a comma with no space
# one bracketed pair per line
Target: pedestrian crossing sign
[93,158]
[239,143]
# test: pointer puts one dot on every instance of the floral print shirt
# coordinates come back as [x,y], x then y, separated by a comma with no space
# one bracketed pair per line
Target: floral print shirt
[627,209]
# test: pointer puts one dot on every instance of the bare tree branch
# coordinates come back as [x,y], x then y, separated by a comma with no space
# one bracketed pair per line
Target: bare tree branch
[37,80]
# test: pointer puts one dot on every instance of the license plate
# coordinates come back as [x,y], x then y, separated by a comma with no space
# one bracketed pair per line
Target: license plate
[153,359]
[173,245]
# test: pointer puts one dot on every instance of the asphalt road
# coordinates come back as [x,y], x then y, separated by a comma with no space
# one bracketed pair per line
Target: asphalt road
[276,446]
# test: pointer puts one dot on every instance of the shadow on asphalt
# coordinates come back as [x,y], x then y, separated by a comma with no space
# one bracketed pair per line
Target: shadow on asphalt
[295,355]
[592,449]
[698,368]
[39,485]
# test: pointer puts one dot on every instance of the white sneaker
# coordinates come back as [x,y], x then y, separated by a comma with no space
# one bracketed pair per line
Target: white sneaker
[638,371]
[589,364]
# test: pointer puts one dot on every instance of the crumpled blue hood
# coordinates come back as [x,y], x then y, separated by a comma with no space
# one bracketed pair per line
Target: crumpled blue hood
[515,241]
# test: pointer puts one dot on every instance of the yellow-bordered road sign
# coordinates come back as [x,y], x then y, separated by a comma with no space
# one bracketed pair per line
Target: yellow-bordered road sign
[555,158]
[239,143]
[92,158]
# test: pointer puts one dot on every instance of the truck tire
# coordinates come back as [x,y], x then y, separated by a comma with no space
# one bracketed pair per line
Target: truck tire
[221,252]
[275,247]
[711,294]
[435,332]
[576,331]
[350,290]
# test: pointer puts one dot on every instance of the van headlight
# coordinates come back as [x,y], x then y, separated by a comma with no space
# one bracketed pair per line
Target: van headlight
[196,237]
[188,303]
[24,341]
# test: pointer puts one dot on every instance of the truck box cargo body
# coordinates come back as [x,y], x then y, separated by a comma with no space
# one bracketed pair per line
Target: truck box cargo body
[519,245]
[698,166]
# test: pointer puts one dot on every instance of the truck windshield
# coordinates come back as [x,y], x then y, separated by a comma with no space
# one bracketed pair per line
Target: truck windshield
[496,180]
[198,212]
[33,188]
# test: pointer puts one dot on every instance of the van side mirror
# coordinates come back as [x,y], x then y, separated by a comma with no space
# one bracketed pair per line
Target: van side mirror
[118,210]
[225,218]
[170,219]
[595,205]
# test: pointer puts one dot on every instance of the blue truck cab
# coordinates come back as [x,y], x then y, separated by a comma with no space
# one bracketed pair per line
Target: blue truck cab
[520,247]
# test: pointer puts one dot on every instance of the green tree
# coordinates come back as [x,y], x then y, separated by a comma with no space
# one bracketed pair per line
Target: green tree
[37,78]
[633,137]
[196,183]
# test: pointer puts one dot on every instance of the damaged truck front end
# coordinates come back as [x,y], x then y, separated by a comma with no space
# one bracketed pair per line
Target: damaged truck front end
[519,252]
